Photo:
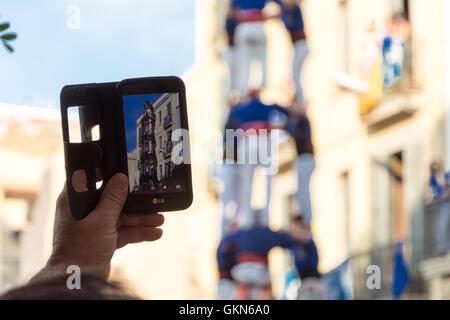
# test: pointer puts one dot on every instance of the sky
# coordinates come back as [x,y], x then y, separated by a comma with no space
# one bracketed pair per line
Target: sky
[133,107]
[115,40]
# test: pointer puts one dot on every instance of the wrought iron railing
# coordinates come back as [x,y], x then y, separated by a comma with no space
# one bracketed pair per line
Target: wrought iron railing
[437,228]
[360,263]
[167,121]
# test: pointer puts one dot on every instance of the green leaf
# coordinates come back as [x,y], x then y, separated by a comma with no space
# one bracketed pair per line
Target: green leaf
[4,26]
[9,36]
[8,47]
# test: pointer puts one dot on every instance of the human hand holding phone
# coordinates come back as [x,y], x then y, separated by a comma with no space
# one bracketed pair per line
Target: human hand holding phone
[142,131]
[91,242]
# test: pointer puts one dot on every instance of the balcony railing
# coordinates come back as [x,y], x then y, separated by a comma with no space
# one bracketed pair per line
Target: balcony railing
[385,105]
[382,258]
[167,149]
[167,121]
[437,228]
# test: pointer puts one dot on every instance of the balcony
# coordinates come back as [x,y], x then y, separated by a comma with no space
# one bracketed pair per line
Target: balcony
[391,109]
[435,266]
[437,229]
[167,149]
[384,105]
[167,121]
[383,258]
[434,262]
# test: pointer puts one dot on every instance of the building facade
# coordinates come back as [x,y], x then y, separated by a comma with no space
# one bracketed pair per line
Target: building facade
[379,113]
[167,111]
[146,149]
[30,140]
[374,148]
[150,165]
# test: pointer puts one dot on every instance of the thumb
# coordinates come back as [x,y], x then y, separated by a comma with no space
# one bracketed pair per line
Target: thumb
[113,197]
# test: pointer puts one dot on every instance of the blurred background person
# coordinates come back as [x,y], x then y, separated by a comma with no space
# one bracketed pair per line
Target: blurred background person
[305,255]
[245,251]
[226,286]
[304,282]
[372,63]
[300,129]
[229,171]
[250,40]
[229,55]
[292,17]
[394,48]
[439,181]
[226,260]
[440,186]
[251,118]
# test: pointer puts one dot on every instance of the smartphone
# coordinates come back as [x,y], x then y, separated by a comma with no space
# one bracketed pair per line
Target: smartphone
[155,144]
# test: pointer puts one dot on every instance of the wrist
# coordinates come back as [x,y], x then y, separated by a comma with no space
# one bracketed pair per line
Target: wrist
[60,263]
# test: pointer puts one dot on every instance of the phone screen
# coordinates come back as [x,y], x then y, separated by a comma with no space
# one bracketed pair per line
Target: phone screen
[150,122]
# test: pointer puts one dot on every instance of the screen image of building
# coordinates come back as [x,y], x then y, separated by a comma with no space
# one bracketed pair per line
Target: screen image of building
[150,164]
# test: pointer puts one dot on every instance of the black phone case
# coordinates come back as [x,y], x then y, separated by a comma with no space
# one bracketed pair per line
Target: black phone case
[97,106]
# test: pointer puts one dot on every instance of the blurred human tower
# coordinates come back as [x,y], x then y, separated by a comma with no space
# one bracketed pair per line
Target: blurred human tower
[247,47]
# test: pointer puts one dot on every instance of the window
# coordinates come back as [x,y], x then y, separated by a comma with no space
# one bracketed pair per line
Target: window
[160,117]
[169,135]
[401,6]
[396,197]
[169,109]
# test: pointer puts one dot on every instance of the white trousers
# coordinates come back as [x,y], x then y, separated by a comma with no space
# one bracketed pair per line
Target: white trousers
[236,197]
[228,197]
[250,46]
[237,185]
[301,51]
[226,289]
[304,165]
[229,58]
[251,273]
[246,215]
